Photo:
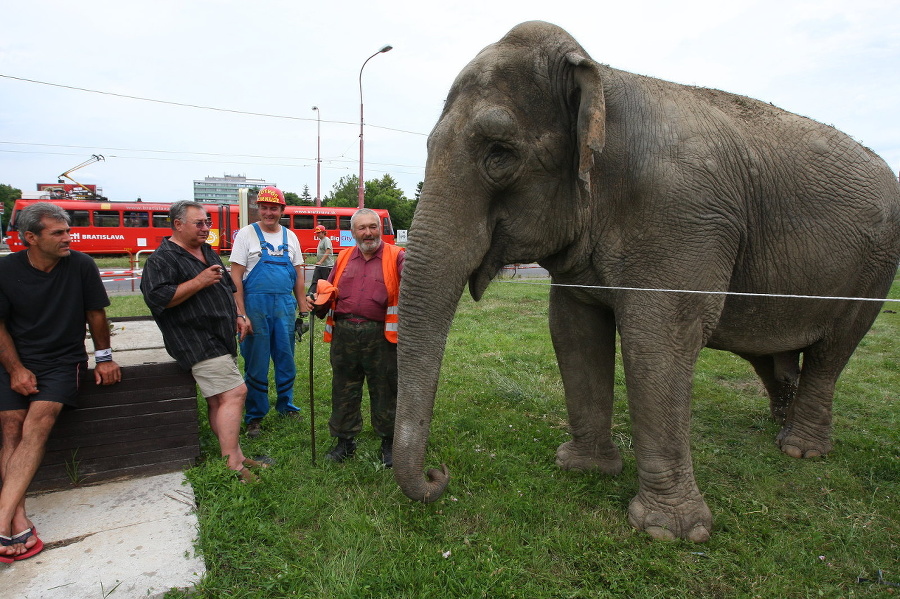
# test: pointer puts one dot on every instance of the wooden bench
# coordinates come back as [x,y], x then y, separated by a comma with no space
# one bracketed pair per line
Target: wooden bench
[145,425]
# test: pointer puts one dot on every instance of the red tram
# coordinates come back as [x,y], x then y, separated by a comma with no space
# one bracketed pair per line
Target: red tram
[101,227]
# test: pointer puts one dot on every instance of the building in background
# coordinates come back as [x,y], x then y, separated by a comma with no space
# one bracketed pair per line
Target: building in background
[224,190]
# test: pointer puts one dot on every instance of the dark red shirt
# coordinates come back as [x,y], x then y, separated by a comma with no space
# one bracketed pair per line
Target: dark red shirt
[361,290]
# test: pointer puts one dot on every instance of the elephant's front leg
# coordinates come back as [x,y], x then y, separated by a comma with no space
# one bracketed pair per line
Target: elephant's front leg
[659,356]
[584,339]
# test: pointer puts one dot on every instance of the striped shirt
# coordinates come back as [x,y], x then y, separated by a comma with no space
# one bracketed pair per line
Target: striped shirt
[203,326]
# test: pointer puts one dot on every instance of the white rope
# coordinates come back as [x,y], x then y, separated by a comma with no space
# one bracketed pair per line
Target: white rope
[738,293]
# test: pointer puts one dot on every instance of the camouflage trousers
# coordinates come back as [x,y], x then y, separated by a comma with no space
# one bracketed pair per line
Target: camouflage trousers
[359,352]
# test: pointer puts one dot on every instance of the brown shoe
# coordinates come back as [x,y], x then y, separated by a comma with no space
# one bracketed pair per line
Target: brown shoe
[245,476]
[262,462]
[254,429]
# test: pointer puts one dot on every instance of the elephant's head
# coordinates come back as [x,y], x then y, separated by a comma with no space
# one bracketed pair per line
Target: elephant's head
[509,167]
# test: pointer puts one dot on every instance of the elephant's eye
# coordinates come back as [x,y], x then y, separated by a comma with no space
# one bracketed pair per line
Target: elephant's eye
[501,162]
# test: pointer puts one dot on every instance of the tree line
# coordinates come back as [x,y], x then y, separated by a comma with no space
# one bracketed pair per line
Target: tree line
[380,193]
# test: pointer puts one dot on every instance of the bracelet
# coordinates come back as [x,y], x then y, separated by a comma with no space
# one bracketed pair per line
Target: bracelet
[244,316]
[103,355]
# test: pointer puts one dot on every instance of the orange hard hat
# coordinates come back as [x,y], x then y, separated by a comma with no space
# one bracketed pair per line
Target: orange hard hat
[271,195]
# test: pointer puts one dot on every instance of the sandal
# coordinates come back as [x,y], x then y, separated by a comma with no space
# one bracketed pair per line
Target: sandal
[31,551]
[245,476]
[20,539]
[6,541]
[261,461]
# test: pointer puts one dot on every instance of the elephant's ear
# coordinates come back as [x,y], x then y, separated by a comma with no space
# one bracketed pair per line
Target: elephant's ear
[591,114]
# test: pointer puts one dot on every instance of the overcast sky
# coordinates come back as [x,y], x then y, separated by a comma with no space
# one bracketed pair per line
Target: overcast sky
[835,61]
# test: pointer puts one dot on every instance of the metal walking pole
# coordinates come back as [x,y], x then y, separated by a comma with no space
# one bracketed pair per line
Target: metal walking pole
[312,403]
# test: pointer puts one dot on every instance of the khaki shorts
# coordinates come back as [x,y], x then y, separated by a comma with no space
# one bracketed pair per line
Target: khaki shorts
[217,375]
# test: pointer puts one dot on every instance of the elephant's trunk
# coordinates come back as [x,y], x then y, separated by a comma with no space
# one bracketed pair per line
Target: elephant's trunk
[434,276]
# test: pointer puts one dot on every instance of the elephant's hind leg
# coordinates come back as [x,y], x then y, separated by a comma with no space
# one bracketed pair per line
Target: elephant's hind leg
[806,432]
[584,338]
[807,427]
[780,374]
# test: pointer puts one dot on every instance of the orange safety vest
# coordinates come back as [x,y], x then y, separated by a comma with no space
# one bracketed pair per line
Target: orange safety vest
[391,282]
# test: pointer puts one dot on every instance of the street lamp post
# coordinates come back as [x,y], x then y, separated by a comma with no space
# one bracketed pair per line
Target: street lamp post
[318,155]
[361,193]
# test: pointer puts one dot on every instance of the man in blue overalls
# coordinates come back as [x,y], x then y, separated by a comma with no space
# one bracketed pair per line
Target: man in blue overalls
[267,269]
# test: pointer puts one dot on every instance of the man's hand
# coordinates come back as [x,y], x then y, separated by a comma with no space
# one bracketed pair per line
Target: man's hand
[244,327]
[308,305]
[107,373]
[23,381]
[210,276]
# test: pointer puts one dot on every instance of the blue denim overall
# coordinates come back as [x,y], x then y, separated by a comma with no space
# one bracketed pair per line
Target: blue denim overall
[271,308]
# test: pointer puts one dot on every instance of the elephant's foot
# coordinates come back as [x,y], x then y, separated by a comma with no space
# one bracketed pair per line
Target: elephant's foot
[689,518]
[572,455]
[799,444]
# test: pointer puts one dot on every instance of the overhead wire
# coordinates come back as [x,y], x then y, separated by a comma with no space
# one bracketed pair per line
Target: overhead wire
[255,156]
[201,106]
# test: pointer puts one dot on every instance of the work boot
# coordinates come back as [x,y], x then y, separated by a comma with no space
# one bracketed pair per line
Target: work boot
[254,428]
[387,452]
[342,450]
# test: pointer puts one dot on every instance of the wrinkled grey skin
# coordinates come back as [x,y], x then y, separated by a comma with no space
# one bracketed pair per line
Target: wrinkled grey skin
[607,178]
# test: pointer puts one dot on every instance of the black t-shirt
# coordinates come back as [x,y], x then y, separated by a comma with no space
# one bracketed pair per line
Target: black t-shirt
[44,311]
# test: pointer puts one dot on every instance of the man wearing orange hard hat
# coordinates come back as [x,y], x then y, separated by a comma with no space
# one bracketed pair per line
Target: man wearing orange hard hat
[267,269]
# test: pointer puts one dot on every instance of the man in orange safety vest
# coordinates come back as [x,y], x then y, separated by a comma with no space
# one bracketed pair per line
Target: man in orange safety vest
[360,298]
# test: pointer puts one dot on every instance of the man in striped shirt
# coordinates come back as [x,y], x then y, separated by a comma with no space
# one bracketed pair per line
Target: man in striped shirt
[192,300]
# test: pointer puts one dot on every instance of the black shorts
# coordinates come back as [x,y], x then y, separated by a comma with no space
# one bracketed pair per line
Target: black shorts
[56,383]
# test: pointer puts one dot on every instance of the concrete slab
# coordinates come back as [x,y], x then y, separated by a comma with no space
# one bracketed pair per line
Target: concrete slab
[135,342]
[132,538]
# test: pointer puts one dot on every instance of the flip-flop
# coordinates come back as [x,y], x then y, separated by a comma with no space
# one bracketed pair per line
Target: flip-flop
[21,538]
[34,549]
[6,541]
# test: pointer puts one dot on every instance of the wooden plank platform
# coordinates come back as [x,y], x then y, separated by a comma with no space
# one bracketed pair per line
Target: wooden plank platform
[145,425]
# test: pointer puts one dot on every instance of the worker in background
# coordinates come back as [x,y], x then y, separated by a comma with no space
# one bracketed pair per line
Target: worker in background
[324,257]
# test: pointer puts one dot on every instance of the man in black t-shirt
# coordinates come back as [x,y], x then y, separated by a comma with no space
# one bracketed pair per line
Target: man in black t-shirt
[47,294]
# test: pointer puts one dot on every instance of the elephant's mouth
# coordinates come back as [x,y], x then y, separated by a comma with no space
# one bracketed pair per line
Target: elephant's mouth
[482,276]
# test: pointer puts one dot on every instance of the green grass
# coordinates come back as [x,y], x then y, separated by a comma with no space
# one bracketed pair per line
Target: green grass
[513,525]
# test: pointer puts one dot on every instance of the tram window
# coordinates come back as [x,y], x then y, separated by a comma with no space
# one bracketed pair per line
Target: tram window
[106,218]
[161,220]
[345,223]
[136,219]
[303,221]
[285,221]
[79,218]
[386,226]
[329,222]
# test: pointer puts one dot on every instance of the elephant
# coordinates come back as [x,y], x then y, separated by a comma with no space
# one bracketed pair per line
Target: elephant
[675,217]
